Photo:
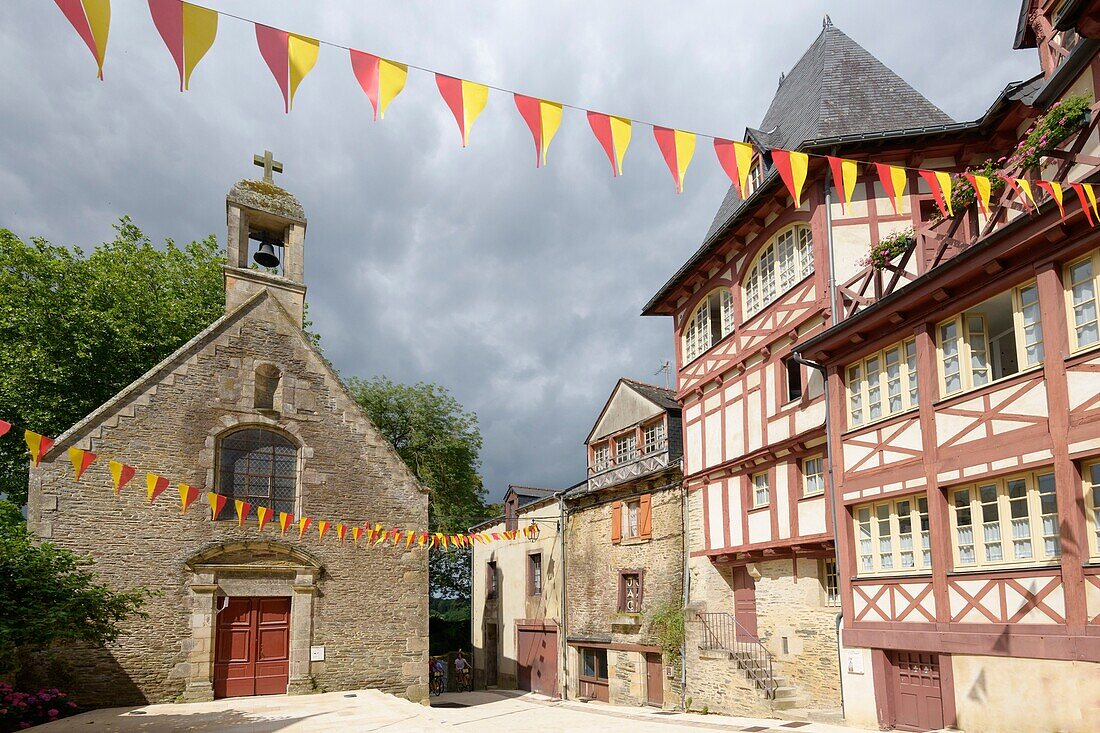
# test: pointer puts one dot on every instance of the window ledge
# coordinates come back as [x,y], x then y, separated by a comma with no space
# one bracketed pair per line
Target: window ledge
[996,384]
[1082,355]
[880,422]
[1043,568]
[622,618]
[872,578]
[808,497]
[633,540]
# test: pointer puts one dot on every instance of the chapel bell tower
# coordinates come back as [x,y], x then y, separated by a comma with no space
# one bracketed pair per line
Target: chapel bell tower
[265,246]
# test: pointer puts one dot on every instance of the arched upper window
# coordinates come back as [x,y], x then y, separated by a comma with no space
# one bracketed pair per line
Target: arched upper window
[711,321]
[258,466]
[267,387]
[780,264]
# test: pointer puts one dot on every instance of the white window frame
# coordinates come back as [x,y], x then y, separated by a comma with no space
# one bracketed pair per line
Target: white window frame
[760,488]
[1091,474]
[699,333]
[630,440]
[1093,281]
[782,263]
[813,479]
[601,457]
[993,543]
[867,393]
[890,534]
[653,438]
[830,576]
[631,519]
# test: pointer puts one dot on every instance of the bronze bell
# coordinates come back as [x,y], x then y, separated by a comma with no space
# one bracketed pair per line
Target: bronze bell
[265,256]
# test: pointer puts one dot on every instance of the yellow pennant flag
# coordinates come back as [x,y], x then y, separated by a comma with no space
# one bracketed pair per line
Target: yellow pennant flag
[677,148]
[38,445]
[893,180]
[80,459]
[982,190]
[322,527]
[844,178]
[263,516]
[120,475]
[243,508]
[543,118]
[793,167]
[303,55]
[188,495]
[465,99]
[285,518]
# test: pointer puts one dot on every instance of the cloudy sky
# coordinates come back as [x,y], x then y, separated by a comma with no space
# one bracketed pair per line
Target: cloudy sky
[517,289]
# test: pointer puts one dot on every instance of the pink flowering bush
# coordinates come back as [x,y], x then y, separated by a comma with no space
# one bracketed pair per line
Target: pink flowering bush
[1056,124]
[887,248]
[21,710]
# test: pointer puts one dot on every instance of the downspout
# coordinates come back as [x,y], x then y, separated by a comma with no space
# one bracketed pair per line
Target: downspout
[562,643]
[686,586]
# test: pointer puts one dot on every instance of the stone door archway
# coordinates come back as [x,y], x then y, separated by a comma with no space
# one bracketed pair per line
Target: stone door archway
[254,569]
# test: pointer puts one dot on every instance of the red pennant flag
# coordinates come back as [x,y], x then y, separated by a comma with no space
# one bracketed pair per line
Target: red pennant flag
[382,80]
[243,508]
[543,118]
[465,99]
[188,495]
[263,516]
[187,30]
[356,533]
[396,534]
[792,167]
[1085,200]
[1055,191]
[1022,189]
[341,531]
[409,538]
[120,474]
[736,160]
[982,190]
[677,148]
[285,518]
[80,459]
[154,486]
[4,428]
[893,183]
[216,502]
[613,134]
[92,21]
[289,57]
[845,173]
[38,445]
[322,527]
[303,525]
[940,183]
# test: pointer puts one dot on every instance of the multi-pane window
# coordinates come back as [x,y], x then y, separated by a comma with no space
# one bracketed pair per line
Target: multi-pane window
[995,339]
[601,457]
[711,321]
[830,579]
[1011,520]
[260,467]
[1081,279]
[779,265]
[1092,501]
[534,574]
[894,536]
[760,493]
[883,383]
[631,513]
[653,438]
[630,592]
[626,448]
[813,476]
[594,663]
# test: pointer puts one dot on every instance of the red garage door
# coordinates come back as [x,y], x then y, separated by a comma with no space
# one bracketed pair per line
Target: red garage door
[252,650]
[538,660]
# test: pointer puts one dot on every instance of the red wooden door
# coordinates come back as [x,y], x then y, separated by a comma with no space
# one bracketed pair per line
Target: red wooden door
[654,679]
[252,647]
[744,602]
[538,661]
[918,702]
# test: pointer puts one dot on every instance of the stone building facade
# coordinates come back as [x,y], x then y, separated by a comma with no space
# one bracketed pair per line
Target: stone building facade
[625,552]
[249,409]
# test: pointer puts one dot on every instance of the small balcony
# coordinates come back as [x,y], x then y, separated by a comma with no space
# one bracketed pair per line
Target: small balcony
[610,474]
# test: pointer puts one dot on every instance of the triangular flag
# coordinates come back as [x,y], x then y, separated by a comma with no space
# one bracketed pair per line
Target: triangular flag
[356,533]
[120,474]
[465,99]
[5,426]
[982,190]
[1085,201]
[263,516]
[792,167]
[243,509]
[613,134]
[382,80]
[422,539]
[893,183]
[80,459]
[844,178]
[736,160]
[409,538]
[188,495]
[940,183]
[285,519]
[543,118]
[303,525]
[216,502]
[1055,191]
[187,30]
[1022,187]
[92,21]
[38,445]
[677,147]
[154,486]
[341,531]
[396,534]
[289,56]
[322,527]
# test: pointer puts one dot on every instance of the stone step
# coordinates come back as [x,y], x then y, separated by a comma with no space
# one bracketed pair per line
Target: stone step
[787,703]
[786,692]
[814,715]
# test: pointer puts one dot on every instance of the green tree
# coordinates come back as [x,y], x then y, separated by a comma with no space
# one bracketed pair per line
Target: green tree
[78,328]
[49,595]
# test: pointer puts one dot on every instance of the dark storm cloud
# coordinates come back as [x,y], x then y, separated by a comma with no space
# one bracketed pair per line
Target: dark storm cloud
[518,289]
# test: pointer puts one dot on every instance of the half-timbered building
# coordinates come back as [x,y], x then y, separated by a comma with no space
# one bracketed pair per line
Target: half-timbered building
[962,381]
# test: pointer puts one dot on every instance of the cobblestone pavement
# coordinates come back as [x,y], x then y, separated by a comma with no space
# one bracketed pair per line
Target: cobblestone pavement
[370,710]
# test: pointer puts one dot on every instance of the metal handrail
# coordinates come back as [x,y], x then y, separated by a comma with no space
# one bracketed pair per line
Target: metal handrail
[722,632]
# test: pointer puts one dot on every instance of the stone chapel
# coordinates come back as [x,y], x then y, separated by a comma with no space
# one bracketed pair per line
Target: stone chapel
[248,408]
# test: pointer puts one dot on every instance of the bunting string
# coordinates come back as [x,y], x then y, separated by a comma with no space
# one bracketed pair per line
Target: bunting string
[189,31]
[39,445]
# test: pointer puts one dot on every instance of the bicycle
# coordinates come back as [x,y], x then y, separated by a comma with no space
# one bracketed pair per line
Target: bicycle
[437,684]
[462,680]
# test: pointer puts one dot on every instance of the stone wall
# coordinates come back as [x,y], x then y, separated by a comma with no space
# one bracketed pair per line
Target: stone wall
[369,605]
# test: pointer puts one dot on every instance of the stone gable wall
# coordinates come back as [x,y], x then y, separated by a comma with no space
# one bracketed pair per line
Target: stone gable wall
[370,605]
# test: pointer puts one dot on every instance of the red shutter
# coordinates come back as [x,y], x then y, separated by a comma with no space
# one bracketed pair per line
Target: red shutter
[616,522]
[645,516]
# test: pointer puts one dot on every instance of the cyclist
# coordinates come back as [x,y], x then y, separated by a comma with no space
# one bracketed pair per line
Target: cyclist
[437,668]
[462,671]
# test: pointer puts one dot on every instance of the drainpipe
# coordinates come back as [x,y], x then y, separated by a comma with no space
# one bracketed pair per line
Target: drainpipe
[686,588]
[562,643]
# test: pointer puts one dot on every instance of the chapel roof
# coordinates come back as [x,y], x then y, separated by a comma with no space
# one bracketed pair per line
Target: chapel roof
[266,196]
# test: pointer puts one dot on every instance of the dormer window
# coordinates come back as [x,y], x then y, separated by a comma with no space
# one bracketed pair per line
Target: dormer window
[756,176]
[778,267]
[511,513]
[626,448]
[711,321]
[601,457]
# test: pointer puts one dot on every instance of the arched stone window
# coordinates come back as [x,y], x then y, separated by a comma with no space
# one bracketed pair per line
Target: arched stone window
[711,321]
[267,387]
[778,267]
[259,466]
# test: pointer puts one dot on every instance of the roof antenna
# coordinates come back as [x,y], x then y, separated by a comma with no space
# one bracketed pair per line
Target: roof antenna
[782,76]
[666,367]
[827,22]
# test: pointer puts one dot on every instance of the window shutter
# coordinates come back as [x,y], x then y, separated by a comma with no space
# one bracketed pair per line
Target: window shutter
[645,516]
[616,522]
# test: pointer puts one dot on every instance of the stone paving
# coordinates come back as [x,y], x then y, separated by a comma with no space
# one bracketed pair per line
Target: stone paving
[371,710]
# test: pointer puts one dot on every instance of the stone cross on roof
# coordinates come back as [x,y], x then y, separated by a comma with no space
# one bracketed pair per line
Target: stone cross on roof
[268,163]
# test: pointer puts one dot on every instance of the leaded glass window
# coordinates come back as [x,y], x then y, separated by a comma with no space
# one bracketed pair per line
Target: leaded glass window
[260,467]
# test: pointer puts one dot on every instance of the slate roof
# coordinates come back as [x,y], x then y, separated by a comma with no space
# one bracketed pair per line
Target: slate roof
[530,494]
[836,89]
[662,397]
